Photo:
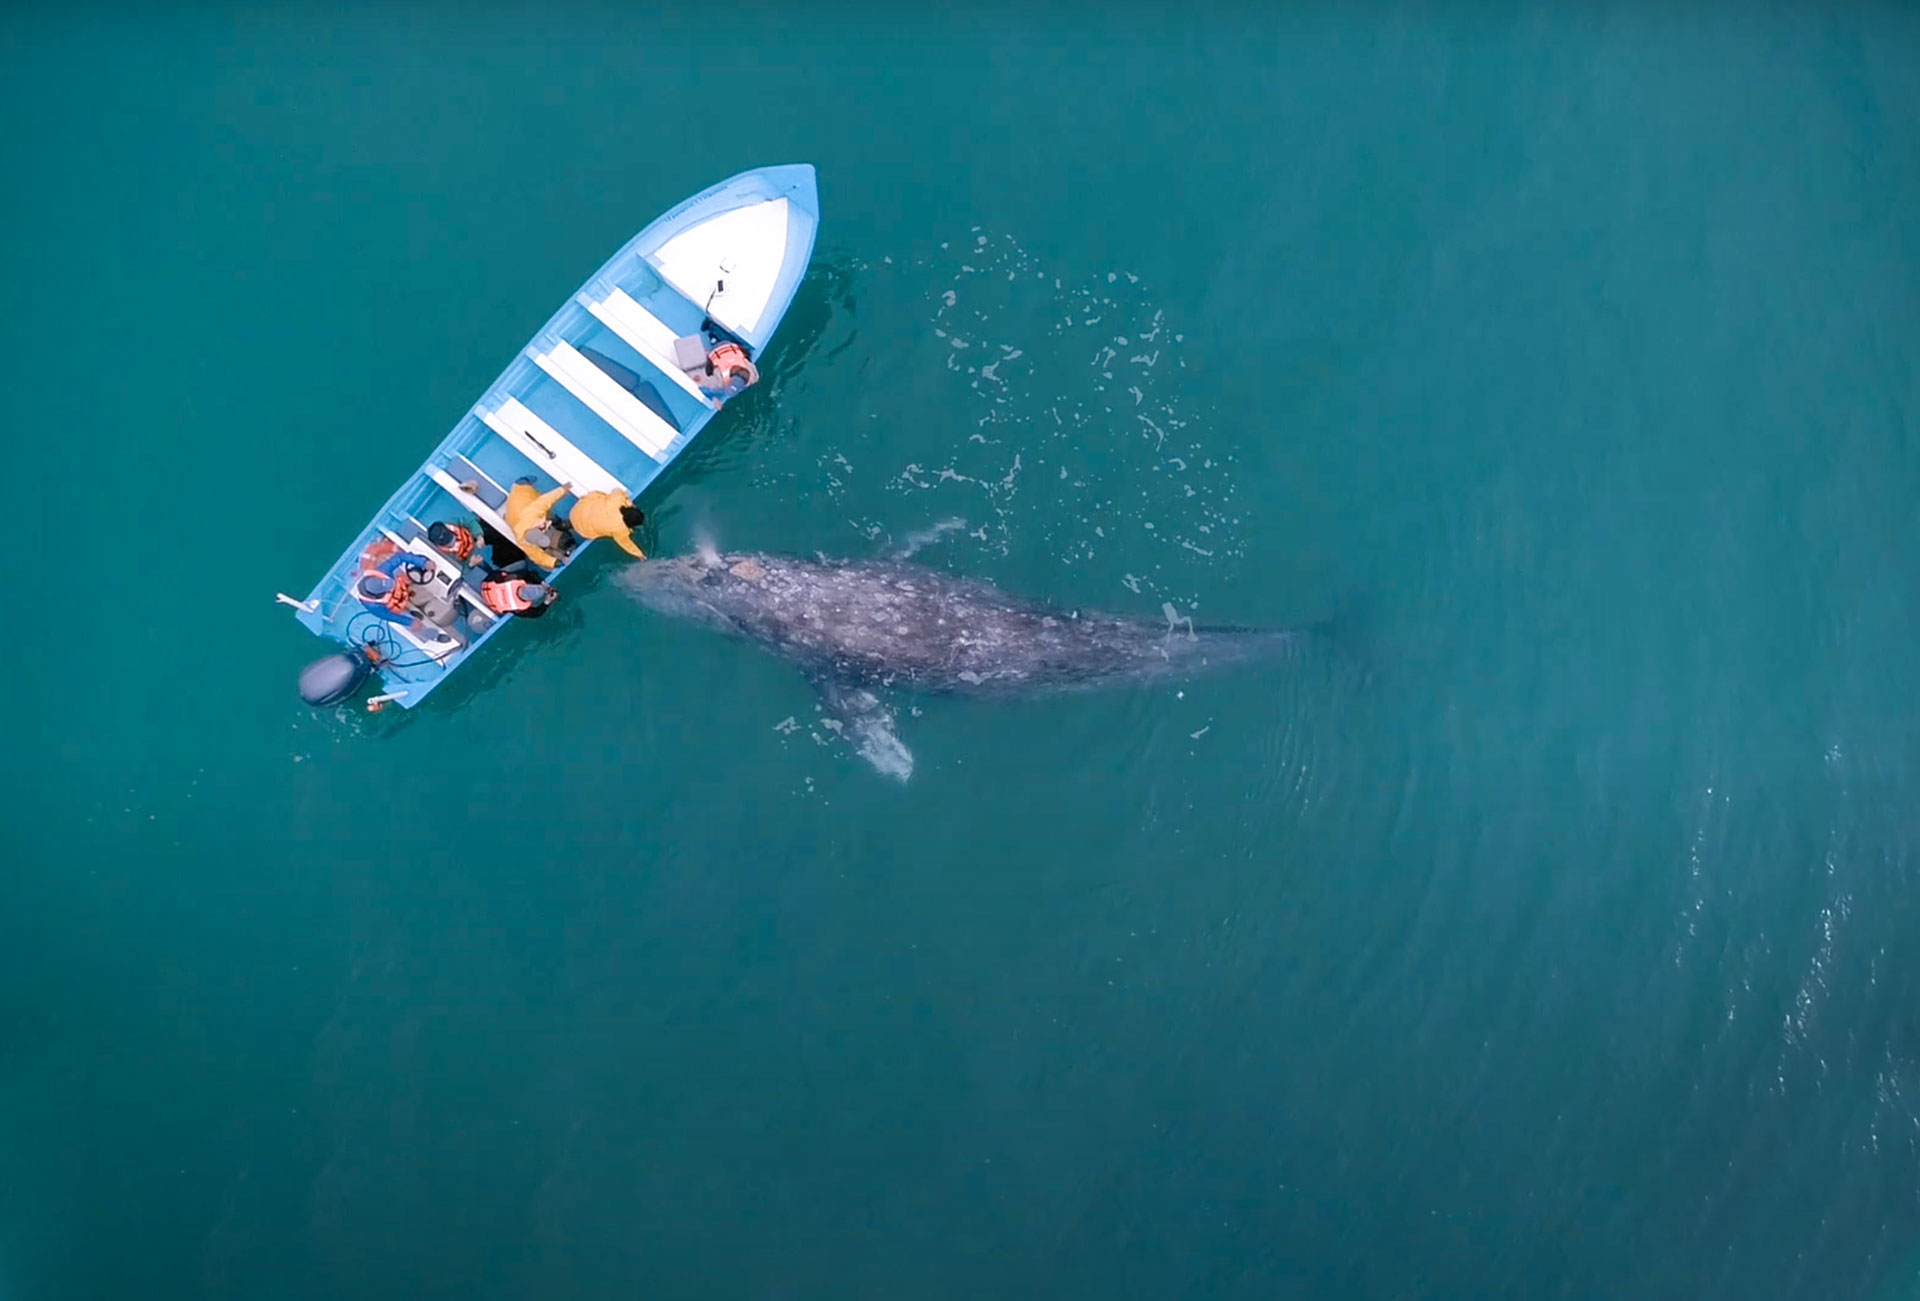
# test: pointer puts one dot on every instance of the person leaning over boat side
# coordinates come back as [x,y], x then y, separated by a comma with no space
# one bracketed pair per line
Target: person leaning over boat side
[728,371]
[526,513]
[608,515]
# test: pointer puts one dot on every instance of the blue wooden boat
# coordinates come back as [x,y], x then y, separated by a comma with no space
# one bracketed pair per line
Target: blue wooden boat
[604,397]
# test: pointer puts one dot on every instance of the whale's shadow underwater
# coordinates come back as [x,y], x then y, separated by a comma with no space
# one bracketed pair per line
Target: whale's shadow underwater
[859,627]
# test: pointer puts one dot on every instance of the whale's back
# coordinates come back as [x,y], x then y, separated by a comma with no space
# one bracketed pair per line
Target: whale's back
[891,622]
[898,622]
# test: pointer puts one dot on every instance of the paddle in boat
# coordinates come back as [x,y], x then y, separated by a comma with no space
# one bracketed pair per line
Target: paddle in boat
[601,400]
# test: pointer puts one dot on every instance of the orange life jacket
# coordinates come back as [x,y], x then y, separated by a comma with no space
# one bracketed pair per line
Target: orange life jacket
[731,359]
[378,551]
[463,542]
[506,598]
[401,594]
[397,597]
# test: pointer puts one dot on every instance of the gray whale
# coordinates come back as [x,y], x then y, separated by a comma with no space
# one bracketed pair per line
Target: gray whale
[857,626]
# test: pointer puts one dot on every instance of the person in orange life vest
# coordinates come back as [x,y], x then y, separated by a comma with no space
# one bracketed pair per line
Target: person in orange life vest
[458,542]
[608,515]
[508,593]
[466,544]
[728,371]
[386,591]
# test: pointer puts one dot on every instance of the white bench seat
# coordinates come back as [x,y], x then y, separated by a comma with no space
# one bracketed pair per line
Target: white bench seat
[631,418]
[647,335]
[543,445]
[467,472]
[471,502]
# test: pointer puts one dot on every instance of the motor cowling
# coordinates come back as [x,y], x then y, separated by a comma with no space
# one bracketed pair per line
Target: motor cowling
[332,678]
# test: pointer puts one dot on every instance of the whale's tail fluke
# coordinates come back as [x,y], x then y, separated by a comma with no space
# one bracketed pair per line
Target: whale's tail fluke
[1349,630]
[1343,634]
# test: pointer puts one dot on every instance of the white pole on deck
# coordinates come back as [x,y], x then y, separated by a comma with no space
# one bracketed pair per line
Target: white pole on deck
[376,703]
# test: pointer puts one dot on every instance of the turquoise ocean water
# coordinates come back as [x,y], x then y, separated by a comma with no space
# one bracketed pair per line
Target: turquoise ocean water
[1570,954]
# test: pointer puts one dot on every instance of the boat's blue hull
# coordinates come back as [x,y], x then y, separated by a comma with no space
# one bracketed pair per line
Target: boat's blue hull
[594,398]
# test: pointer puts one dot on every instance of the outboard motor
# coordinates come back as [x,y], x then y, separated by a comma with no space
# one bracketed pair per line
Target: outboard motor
[332,678]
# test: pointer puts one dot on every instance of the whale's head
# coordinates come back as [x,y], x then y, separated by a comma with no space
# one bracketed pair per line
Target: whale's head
[705,586]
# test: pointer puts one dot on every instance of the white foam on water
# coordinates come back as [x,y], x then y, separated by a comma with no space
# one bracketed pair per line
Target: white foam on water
[1128,483]
[915,541]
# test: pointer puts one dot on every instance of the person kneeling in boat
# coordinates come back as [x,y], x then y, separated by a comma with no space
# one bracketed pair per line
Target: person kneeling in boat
[608,515]
[538,534]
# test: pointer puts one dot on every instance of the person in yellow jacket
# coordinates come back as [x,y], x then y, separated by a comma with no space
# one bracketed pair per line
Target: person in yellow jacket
[608,515]
[526,513]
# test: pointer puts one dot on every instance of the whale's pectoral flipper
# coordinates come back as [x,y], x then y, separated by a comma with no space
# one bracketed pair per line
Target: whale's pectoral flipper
[868,723]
